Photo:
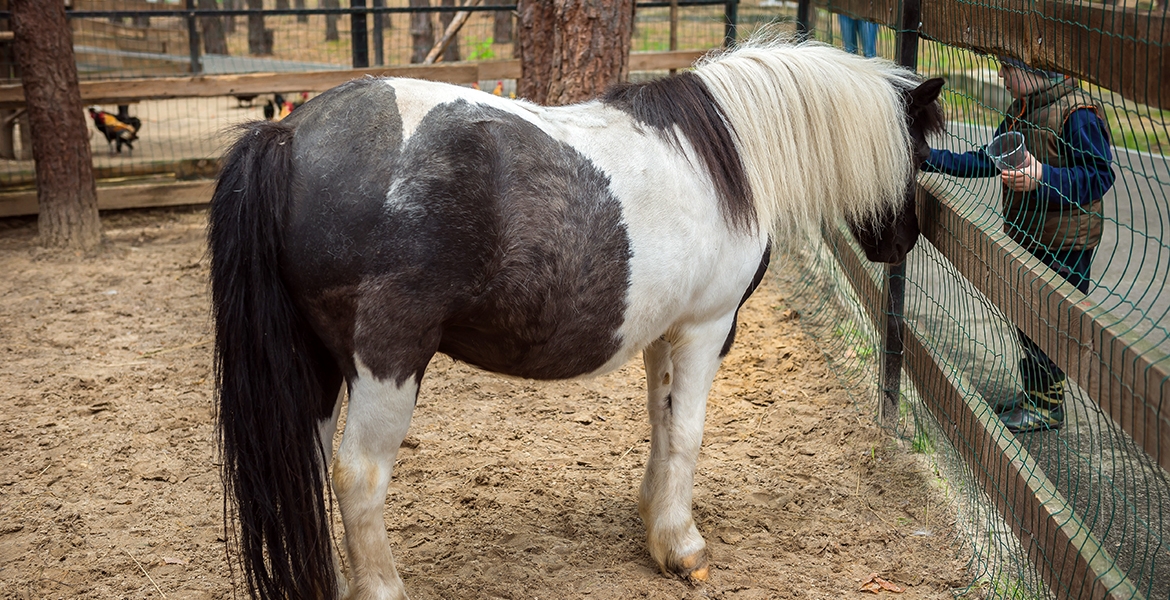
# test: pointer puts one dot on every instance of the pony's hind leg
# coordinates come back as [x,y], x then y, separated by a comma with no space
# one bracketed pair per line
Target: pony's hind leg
[679,372]
[376,422]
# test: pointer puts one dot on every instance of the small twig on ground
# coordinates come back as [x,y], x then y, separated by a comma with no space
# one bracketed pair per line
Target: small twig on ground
[875,513]
[628,450]
[140,568]
[166,350]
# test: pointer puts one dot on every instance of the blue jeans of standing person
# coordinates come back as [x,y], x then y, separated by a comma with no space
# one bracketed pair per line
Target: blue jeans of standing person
[1036,369]
[852,28]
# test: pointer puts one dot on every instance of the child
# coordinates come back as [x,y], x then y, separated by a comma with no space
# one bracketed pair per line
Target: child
[851,29]
[1051,206]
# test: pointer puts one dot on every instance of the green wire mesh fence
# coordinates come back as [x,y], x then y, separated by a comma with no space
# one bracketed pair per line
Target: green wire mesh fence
[1074,512]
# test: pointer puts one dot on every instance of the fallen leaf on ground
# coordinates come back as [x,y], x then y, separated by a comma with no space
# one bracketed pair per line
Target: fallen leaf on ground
[876,584]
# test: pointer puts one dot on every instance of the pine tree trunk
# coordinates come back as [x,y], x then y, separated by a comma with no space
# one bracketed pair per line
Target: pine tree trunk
[331,34]
[502,23]
[8,133]
[451,52]
[571,50]
[258,41]
[229,22]
[214,40]
[66,191]
[422,32]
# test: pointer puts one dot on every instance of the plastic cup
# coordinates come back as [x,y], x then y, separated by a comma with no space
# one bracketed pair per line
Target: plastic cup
[1007,150]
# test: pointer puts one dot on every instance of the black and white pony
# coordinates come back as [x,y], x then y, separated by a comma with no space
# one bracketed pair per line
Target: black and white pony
[390,219]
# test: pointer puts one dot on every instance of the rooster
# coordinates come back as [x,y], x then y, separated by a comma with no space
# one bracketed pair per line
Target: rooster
[279,108]
[119,130]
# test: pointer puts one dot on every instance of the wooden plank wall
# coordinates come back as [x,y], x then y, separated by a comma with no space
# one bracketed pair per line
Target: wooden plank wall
[1116,47]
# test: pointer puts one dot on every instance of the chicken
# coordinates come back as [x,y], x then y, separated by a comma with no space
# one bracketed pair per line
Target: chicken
[499,89]
[279,108]
[119,130]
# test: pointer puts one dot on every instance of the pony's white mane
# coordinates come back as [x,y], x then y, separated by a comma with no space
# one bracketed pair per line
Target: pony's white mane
[819,131]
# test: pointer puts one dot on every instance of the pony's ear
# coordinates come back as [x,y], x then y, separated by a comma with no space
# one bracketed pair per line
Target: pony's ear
[927,92]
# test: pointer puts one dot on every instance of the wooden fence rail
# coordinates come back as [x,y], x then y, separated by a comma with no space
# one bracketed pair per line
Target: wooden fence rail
[1118,48]
[24,202]
[207,86]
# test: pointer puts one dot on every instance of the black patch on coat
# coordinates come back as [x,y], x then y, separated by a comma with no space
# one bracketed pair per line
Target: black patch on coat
[499,245]
[756,279]
[683,101]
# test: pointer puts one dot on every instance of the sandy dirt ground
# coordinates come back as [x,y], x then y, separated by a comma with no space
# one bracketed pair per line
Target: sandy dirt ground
[504,489]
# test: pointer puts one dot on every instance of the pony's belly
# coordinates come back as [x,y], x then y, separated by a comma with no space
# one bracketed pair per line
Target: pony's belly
[564,355]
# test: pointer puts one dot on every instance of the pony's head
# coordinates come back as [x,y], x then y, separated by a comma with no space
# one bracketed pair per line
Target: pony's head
[894,234]
[822,133]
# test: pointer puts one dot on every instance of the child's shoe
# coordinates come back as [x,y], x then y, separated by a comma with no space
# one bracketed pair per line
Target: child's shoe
[1054,392]
[1028,417]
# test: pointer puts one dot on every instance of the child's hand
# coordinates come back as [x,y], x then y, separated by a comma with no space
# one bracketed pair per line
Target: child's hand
[1026,178]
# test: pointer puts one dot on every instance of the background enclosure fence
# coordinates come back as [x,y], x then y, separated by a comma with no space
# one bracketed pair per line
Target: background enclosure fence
[190,69]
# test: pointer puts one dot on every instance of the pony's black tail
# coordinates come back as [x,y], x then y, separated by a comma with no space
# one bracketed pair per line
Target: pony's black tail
[272,375]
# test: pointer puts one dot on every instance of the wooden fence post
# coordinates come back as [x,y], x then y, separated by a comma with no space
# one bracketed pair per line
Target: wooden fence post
[193,39]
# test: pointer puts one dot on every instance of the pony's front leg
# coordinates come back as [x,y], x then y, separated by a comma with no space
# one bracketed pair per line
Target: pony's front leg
[376,423]
[679,373]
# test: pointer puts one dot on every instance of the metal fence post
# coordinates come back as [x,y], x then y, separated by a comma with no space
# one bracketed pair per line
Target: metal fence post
[193,39]
[894,297]
[730,21]
[909,20]
[361,43]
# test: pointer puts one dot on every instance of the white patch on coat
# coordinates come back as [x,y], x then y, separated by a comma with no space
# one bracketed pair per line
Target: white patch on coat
[376,422]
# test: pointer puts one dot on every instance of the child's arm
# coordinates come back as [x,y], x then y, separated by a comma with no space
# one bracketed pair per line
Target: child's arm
[1089,175]
[974,163]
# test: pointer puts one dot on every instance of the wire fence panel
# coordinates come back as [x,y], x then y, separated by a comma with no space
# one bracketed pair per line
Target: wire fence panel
[988,290]
[270,46]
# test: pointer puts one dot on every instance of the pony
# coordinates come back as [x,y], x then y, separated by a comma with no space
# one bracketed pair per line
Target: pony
[390,219]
